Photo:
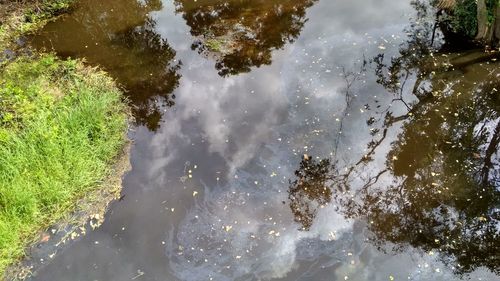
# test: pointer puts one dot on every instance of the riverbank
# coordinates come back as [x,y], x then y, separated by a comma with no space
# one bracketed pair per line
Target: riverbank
[21,17]
[63,140]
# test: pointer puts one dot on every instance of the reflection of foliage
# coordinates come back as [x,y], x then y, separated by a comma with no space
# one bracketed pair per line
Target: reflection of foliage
[464,19]
[441,180]
[411,59]
[445,172]
[243,34]
[469,19]
[148,78]
[120,37]
[310,191]
[439,189]
[444,164]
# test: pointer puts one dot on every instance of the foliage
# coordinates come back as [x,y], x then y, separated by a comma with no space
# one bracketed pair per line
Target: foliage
[491,6]
[48,9]
[464,18]
[309,191]
[61,125]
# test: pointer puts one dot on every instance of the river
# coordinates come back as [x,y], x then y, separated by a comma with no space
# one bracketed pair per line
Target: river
[289,140]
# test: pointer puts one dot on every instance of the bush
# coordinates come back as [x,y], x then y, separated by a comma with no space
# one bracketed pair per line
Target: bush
[464,18]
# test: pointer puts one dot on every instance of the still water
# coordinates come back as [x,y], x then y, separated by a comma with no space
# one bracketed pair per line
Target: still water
[290,140]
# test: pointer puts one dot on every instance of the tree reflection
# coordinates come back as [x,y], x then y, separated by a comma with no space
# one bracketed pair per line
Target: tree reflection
[444,165]
[120,36]
[309,191]
[148,73]
[444,174]
[242,34]
[439,189]
[444,170]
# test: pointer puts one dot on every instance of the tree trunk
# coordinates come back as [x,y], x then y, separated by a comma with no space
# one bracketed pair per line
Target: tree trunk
[487,32]
[482,21]
[496,26]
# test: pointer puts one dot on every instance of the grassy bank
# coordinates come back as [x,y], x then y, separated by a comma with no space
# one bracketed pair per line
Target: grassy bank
[61,127]
[62,136]
[18,17]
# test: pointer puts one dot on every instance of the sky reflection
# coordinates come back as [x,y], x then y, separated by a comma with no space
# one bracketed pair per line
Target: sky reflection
[213,179]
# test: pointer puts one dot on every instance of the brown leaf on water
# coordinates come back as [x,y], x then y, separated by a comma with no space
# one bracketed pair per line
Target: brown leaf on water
[45,238]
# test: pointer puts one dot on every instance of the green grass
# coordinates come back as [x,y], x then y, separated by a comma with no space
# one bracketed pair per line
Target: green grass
[61,127]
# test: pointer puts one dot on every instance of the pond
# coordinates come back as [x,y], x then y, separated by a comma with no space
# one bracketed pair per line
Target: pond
[290,140]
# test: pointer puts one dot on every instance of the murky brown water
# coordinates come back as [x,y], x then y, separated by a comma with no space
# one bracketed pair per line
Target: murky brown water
[289,140]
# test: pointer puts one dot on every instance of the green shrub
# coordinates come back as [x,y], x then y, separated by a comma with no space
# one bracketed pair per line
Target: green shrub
[464,18]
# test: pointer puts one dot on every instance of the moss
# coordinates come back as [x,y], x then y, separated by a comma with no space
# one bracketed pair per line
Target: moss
[62,126]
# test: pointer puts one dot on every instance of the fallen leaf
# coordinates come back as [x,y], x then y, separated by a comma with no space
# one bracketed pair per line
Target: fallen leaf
[45,238]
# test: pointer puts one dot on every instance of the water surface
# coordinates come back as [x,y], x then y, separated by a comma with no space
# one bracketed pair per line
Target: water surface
[289,140]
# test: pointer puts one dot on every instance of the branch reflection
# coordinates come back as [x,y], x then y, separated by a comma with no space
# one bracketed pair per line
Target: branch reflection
[439,188]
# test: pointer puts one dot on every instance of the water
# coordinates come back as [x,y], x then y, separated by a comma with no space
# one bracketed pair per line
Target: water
[273,141]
